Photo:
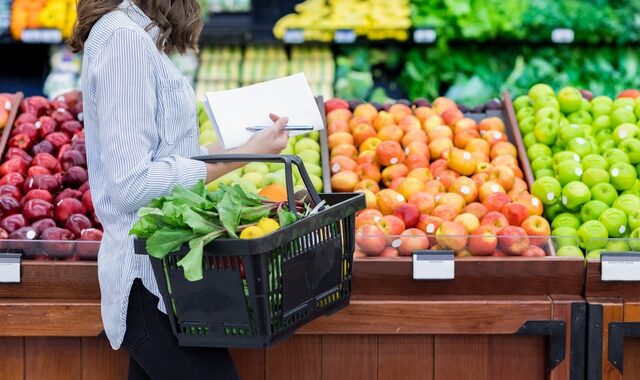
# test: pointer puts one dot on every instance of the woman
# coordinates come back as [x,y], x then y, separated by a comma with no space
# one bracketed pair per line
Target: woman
[141,128]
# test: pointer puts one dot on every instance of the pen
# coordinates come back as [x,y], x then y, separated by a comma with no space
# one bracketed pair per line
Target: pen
[287,128]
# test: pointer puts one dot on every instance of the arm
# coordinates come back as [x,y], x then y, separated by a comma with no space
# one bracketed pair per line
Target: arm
[125,96]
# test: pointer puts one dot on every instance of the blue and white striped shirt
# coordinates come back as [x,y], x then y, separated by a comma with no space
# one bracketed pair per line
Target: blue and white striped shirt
[140,124]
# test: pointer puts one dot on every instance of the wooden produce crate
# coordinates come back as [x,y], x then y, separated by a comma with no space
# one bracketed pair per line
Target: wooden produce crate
[424,329]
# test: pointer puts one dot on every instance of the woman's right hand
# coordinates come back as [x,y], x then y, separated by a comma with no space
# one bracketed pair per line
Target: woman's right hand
[271,140]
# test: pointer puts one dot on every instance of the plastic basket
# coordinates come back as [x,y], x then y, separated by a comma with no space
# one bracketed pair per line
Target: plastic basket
[257,292]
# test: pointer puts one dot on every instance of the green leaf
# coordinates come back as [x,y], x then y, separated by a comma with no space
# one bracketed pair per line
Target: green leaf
[192,262]
[190,197]
[229,214]
[172,214]
[167,240]
[197,222]
[254,214]
[286,217]
[144,228]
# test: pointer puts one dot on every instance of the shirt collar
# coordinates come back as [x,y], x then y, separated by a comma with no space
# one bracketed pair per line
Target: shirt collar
[140,18]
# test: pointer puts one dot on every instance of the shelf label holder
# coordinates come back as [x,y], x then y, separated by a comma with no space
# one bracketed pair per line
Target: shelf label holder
[425,36]
[10,267]
[433,265]
[620,266]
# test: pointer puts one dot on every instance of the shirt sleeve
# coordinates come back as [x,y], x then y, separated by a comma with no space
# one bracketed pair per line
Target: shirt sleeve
[126,103]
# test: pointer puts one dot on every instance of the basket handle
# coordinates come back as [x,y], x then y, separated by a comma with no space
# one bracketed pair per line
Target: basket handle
[286,159]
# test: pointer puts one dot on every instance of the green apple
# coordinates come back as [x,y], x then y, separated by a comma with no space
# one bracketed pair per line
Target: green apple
[529,139]
[594,254]
[257,167]
[592,210]
[521,102]
[580,117]
[606,145]
[633,219]
[315,135]
[594,176]
[546,131]
[557,148]
[547,113]
[575,194]
[570,100]
[207,137]
[525,113]
[275,166]
[254,177]
[602,100]
[306,144]
[317,182]
[580,146]
[593,235]
[621,116]
[568,171]
[569,251]
[526,125]
[565,156]
[569,132]
[544,173]
[595,161]
[310,156]
[586,105]
[604,192]
[537,150]
[627,203]
[623,176]
[546,102]
[564,236]
[247,185]
[617,246]
[624,131]
[601,122]
[553,210]
[634,240]
[542,162]
[313,169]
[547,189]
[603,135]
[288,150]
[615,156]
[615,221]
[566,219]
[624,103]
[267,180]
[631,147]
[540,89]
[598,110]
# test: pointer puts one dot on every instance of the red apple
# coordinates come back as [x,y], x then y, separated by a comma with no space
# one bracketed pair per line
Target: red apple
[452,236]
[513,240]
[412,240]
[391,226]
[483,241]
[495,219]
[516,213]
[495,201]
[537,228]
[389,252]
[370,240]
[408,213]
[534,251]
[477,209]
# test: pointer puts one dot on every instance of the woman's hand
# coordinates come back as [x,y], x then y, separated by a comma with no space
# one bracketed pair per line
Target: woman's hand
[271,140]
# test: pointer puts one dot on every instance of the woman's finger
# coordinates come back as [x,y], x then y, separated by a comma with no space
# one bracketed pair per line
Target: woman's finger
[281,123]
[274,117]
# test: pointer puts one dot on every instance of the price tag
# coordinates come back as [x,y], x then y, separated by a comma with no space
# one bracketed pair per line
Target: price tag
[10,267]
[293,36]
[562,36]
[424,36]
[433,265]
[620,266]
[41,36]
[344,36]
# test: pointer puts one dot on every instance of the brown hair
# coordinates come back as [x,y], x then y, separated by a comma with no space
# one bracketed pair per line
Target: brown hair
[179,21]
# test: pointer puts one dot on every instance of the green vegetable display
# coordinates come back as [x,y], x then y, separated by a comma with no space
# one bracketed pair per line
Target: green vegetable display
[197,217]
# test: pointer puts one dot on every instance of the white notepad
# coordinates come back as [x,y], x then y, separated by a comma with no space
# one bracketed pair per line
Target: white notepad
[232,111]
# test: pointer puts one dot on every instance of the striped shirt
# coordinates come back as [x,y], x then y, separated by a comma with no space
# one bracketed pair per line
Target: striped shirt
[140,124]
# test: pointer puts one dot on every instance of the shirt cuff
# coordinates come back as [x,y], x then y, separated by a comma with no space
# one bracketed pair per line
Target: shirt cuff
[189,171]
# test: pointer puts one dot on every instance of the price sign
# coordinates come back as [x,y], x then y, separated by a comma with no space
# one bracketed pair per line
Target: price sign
[562,36]
[433,265]
[344,36]
[620,266]
[293,36]
[10,267]
[41,36]
[424,36]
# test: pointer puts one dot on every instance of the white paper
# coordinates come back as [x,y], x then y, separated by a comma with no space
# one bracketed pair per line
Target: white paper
[232,111]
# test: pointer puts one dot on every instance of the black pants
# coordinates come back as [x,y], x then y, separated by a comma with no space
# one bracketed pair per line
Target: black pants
[155,353]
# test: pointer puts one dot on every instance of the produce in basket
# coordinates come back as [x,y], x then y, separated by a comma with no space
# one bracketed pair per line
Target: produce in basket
[197,216]
[429,169]
[585,154]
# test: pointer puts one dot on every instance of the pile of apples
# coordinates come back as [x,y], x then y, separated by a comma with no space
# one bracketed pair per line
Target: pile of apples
[433,179]
[585,156]
[44,188]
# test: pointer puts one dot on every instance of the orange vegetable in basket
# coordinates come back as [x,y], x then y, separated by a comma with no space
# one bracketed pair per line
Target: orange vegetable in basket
[274,193]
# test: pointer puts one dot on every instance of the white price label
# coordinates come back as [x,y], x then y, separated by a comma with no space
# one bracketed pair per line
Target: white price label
[433,265]
[293,36]
[10,267]
[344,36]
[41,36]
[424,36]
[562,36]
[620,266]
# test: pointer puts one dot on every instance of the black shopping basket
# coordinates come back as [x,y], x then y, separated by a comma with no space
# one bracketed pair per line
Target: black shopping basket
[257,292]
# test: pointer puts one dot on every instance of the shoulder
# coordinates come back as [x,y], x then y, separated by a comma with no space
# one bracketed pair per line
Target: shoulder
[116,28]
